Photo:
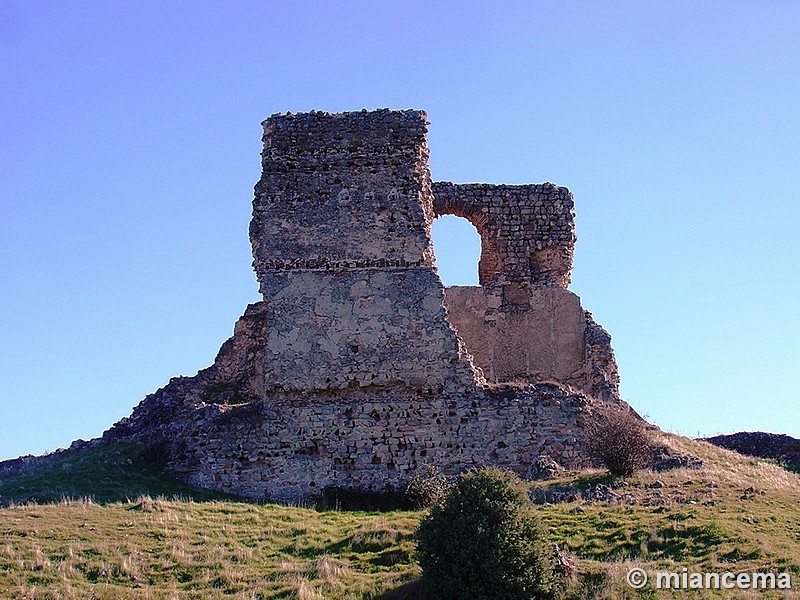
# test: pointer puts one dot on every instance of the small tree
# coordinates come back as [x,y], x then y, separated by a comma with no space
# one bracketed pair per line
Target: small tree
[619,439]
[484,542]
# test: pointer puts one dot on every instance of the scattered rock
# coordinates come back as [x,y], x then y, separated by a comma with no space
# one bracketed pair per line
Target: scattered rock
[664,459]
[545,467]
[565,564]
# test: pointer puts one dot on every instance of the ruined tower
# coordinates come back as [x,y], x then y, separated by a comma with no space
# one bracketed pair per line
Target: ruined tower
[358,367]
[342,251]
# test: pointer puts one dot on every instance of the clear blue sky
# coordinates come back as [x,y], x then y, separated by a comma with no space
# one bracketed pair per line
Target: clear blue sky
[129,147]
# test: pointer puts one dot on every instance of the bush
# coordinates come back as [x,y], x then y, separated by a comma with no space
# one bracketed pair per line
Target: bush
[427,488]
[619,439]
[791,466]
[484,542]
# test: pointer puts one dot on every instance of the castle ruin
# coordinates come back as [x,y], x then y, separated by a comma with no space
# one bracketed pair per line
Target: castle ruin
[358,367]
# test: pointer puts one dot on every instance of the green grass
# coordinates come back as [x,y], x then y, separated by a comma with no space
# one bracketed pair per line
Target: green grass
[734,514]
[105,474]
[183,549]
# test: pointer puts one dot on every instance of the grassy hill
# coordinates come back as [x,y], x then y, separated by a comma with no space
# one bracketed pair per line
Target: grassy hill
[143,535]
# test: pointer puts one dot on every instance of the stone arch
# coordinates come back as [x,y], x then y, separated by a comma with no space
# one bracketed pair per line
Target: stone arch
[490,264]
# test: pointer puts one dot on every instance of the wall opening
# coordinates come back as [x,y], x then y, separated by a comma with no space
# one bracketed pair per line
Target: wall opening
[457,246]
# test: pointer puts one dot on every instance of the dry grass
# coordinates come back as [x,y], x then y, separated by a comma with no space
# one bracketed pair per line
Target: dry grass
[733,468]
[166,548]
[734,514]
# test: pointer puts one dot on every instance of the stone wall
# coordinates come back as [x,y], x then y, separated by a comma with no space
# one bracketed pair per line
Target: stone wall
[292,452]
[222,432]
[544,335]
[367,328]
[522,324]
[342,191]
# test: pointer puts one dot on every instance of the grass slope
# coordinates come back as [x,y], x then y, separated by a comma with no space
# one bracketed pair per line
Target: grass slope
[734,514]
[104,474]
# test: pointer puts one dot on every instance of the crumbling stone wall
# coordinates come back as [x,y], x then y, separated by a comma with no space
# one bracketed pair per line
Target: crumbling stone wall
[544,335]
[351,372]
[291,452]
[290,448]
[522,324]
[347,191]
[221,433]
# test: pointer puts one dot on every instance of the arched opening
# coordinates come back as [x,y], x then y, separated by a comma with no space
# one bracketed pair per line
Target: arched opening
[457,246]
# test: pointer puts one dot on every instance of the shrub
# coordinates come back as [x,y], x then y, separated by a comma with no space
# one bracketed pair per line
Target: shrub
[426,488]
[792,466]
[484,542]
[619,439]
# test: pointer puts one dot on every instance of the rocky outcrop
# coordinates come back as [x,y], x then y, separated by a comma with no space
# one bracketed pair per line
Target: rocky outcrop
[777,446]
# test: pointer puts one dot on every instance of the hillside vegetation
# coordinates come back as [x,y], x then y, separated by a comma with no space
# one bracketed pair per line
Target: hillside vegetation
[129,532]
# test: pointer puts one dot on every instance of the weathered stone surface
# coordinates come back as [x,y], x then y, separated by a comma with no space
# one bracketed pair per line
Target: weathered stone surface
[527,231]
[544,335]
[374,329]
[343,191]
[351,372]
[522,324]
[291,449]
